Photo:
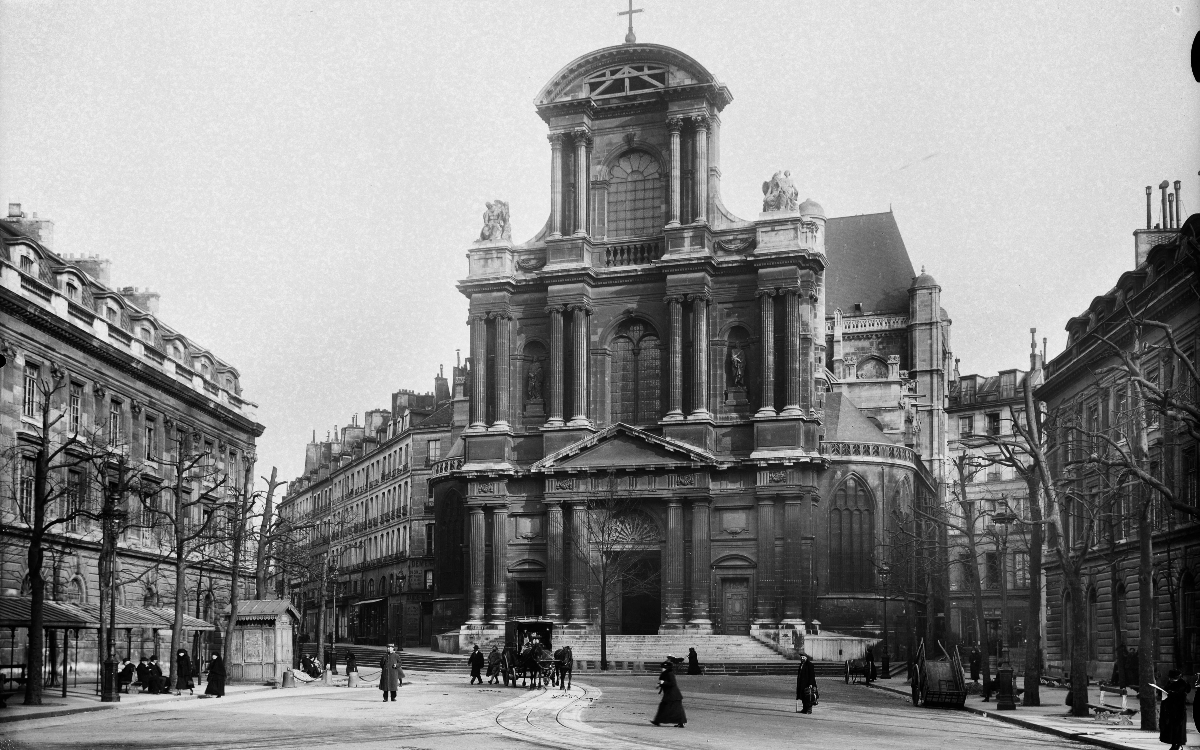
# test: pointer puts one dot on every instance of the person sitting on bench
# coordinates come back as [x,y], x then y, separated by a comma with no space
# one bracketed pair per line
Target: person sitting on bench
[125,674]
[143,675]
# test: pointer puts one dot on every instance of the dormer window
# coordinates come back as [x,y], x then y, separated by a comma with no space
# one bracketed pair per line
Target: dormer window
[145,335]
[176,352]
[72,291]
[205,371]
[110,314]
[26,265]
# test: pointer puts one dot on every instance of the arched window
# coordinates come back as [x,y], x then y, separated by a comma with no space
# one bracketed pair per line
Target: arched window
[635,196]
[73,591]
[383,586]
[371,587]
[851,537]
[636,374]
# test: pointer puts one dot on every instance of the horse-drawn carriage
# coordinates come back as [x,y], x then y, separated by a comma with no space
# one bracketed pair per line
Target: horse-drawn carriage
[529,655]
[938,683]
[859,670]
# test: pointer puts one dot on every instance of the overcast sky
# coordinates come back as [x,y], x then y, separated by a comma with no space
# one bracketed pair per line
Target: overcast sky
[301,180]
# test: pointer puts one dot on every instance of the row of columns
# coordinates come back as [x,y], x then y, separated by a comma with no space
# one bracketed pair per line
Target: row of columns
[479,367]
[580,331]
[699,406]
[581,140]
[571,603]
[798,345]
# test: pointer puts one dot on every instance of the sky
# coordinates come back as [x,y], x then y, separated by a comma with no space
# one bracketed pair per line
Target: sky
[301,181]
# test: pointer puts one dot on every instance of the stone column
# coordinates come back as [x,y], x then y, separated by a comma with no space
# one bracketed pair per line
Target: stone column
[503,368]
[792,562]
[675,391]
[554,561]
[701,564]
[791,406]
[581,181]
[764,607]
[579,321]
[580,552]
[557,360]
[673,570]
[701,123]
[674,124]
[499,564]
[700,357]
[767,407]
[556,188]
[478,371]
[475,605]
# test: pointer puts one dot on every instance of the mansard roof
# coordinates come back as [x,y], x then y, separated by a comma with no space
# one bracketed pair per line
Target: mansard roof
[568,84]
[620,445]
[868,264]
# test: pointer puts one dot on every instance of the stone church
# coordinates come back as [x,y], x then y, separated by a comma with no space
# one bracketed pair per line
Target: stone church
[766,395]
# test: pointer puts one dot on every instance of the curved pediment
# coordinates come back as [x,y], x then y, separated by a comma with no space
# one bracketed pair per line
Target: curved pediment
[621,446]
[627,70]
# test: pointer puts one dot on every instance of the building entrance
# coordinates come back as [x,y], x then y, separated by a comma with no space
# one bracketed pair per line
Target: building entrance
[735,593]
[641,598]
[529,599]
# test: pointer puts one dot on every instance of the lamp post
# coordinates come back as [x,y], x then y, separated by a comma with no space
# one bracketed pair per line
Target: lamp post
[1000,523]
[885,573]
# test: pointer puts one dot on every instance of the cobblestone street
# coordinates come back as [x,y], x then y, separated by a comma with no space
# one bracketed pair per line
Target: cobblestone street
[441,711]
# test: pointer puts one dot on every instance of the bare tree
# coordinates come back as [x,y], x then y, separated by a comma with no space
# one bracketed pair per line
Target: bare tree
[274,529]
[611,547]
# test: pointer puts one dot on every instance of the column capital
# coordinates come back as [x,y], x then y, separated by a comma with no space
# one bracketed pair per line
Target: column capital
[476,317]
[792,290]
[582,136]
[558,308]
[700,122]
[556,139]
[674,124]
[765,293]
[704,296]
[674,298]
[583,306]
[499,315]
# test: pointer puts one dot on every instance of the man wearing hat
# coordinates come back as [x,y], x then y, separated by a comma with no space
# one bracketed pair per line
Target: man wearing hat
[475,660]
[391,675]
[806,684]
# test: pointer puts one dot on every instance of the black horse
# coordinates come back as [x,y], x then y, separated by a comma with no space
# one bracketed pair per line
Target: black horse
[564,666]
[529,666]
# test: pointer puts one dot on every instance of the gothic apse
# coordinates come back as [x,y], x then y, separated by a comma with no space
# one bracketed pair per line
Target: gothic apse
[738,416]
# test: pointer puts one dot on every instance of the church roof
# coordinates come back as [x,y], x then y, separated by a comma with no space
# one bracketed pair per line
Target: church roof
[868,264]
[844,423]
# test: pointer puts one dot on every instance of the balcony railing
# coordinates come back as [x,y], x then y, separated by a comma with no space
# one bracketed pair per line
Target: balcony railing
[870,450]
[446,465]
[633,253]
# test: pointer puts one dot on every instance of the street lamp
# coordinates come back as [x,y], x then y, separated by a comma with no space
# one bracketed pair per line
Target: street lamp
[885,573]
[1000,524]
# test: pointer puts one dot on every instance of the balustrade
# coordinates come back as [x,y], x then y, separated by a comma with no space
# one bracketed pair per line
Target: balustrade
[633,253]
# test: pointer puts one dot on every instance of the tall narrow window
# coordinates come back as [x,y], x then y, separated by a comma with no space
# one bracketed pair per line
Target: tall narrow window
[72,291]
[636,375]
[151,441]
[27,265]
[75,407]
[25,496]
[32,399]
[851,537]
[114,422]
[429,540]
[435,450]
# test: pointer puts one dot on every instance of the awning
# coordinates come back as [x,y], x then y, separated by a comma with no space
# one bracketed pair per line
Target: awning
[14,613]
[366,601]
[143,617]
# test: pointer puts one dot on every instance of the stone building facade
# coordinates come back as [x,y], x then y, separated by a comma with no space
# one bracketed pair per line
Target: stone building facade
[1086,391]
[130,381]
[366,491]
[771,392]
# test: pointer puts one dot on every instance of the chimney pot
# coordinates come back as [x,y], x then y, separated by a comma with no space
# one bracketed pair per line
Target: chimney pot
[14,210]
[1149,219]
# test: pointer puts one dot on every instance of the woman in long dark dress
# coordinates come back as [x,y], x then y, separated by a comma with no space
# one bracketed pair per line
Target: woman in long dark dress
[351,662]
[183,672]
[1172,717]
[670,708]
[806,683]
[216,676]
[693,662]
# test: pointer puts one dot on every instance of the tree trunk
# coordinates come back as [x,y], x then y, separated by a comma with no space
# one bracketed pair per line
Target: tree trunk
[264,539]
[34,559]
[178,530]
[1033,645]
[243,500]
[1147,624]
[603,628]
[321,617]
[1079,642]
[981,624]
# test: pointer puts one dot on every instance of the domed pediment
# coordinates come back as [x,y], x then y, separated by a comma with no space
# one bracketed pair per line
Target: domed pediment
[629,70]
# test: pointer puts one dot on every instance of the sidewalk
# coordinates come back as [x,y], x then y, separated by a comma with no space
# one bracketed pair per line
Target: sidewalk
[1052,717]
[83,699]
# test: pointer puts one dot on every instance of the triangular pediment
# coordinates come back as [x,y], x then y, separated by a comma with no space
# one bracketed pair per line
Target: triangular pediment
[623,447]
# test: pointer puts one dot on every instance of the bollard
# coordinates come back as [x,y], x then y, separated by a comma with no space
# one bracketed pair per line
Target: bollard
[328,677]
[352,679]
[289,681]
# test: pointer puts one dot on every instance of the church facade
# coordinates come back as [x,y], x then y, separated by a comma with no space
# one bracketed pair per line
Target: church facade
[764,398]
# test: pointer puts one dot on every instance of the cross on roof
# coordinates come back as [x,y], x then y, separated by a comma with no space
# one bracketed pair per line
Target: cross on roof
[629,37]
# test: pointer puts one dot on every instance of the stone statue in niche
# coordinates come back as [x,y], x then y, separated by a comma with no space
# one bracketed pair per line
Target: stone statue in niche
[735,390]
[495,222]
[534,382]
[738,361]
[779,194]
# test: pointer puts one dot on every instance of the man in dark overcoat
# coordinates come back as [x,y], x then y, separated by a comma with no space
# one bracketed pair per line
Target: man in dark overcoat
[806,683]
[391,675]
[475,661]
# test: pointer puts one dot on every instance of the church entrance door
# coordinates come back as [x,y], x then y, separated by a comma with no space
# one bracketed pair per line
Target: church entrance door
[736,594]
[529,599]
[641,598]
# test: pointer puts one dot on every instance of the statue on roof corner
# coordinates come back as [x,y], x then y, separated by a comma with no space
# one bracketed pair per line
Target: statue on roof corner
[495,222]
[779,194]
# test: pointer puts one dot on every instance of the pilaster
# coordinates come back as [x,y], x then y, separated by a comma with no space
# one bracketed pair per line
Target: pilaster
[579,320]
[701,566]
[557,360]
[476,592]
[700,356]
[674,125]
[766,298]
[503,329]
[675,390]
[764,606]
[478,324]
[499,563]
[554,561]
[556,188]
[673,573]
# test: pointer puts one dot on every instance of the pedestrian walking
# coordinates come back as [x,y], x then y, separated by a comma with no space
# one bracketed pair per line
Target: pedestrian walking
[694,662]
[670,708]
[216,676]
[183,672]
[1172,717]
[475,661]
[493,666]
[806,685]
[351,662]
[976,661]
[870,659]
[391,675]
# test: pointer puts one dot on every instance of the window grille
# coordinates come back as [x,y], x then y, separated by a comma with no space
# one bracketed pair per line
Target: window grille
[635,196]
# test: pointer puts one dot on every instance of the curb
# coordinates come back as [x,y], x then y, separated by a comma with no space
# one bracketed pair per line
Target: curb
[1024,723]
[112,706]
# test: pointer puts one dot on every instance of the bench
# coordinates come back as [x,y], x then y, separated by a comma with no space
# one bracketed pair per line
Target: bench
[1112,714]
[12,681]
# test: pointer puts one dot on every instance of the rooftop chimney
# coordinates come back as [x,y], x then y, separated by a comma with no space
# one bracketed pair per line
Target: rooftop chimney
[14,211]
[1033,358]
[1149,217]
[1178,205]
[1163,187]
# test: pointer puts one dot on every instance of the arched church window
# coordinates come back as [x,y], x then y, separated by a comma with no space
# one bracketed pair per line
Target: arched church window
[636,374]
[73,591]
[851,537]
[635,196]
[872,368]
